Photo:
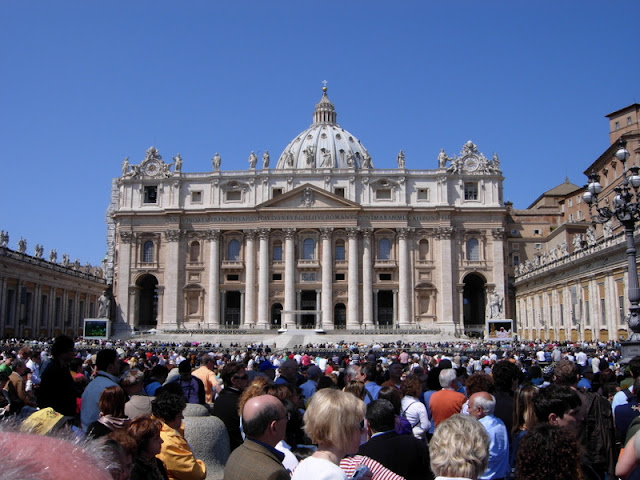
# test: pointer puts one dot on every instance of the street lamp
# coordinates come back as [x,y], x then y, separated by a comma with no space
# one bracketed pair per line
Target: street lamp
[626,208]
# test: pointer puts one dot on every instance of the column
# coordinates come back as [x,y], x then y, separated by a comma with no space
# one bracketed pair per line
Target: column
[250,279]
[213,300]
[124,302]
[498,236]
[317,320]
[449,317]
[367,279]
[242,320]
[298,306]
[263,283]
[172,315]
[404,279]
[395,307]
[289,277]
[224,308]
[327,279]
[376,321]
[352,288]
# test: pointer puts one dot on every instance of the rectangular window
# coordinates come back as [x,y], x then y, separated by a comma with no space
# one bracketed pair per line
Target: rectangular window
[383,194]
[617,125]
[234,196]
[537,246]
[29,307]
[516,260]
[628,120]
[423,194]
[233,277]
[11,304]
[571,217]
[69,312]
[44,310]
[537,231]
[81,310]
[276,277]
[92,309]
[339,277]
[151,194]
[385,277]
[276,192]
[471,191]
[58,312]
[277,253]
[196,197]
[339,191]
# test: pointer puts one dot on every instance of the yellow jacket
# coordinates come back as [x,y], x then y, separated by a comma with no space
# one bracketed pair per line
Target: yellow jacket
[178,458]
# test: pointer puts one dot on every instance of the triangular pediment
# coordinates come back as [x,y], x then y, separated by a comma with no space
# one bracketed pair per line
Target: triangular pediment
[308,196]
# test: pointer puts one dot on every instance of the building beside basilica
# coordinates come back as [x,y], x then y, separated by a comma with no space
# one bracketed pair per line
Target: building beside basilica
[317,238]
[569,278]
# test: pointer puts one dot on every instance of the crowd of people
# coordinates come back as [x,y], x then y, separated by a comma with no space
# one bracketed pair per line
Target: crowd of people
[392,411]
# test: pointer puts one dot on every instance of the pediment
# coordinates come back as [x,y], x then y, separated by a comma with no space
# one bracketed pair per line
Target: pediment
[308,196]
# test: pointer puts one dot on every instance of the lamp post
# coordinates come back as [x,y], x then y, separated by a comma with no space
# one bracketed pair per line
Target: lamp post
[626,208]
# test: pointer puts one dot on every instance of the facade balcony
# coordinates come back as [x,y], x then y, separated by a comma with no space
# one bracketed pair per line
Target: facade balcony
[232,265]
[308,263]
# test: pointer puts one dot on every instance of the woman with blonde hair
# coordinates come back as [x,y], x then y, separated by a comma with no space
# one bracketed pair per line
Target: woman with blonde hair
[334,421]
[459,448]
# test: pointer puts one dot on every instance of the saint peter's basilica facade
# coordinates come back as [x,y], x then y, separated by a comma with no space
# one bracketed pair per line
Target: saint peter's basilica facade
[318,238]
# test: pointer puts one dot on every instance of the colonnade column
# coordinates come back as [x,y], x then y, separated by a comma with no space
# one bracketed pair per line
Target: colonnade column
[404,307]
[498,237]
[213,301]
[327,280]
[367,279]
[171,279]
[250,279]
[352,288]
[289,277]
[317,319]
[123,301]
[263,282]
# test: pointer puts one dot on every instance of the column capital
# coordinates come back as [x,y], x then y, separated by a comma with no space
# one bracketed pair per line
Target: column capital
[352,232]
[445,232]
[212,235]
[498,233]
[289,233]
[250,233]
[366,233]
[127,237]
[263,233]
[172,235]
[405,232]
[326,232]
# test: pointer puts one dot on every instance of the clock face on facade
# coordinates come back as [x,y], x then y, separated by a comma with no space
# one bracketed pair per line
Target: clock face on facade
[471,163]
[152,168]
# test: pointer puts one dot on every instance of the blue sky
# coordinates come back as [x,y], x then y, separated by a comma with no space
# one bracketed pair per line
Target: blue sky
[85,84]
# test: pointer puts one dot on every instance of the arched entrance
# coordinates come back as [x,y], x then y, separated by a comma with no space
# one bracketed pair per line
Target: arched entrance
[147,301]
[473,305]
[340,316]
[385,308]
[276,315]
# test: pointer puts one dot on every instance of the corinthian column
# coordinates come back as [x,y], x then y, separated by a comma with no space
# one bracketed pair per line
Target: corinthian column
[352,288]
[263,282]
[171,279]
[404,306]
[327,279]
[213,300]
[367,279]
[289,277]
[250,278]
[123,314]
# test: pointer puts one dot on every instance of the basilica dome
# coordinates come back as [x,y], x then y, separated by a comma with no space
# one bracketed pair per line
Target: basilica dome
[324,144]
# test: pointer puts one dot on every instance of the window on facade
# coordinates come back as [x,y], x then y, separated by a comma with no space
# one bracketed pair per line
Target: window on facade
[276,192]
[473,250]
[194,252]
[571,217]
[339,191]
[537,232]
[471,191]
[339,277]
[147,252]
[385,277]
[234,196]
[277,251]
[69,312]
[308,249]
[233,251]
[516,260]
[384,249]
[58,311]
[196,197]
[617,125]
[233,277]
[340,250]
[423,194]
[44,310]
[276,277]
[151,194]
[423,249]
[628,120]
[383,194]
